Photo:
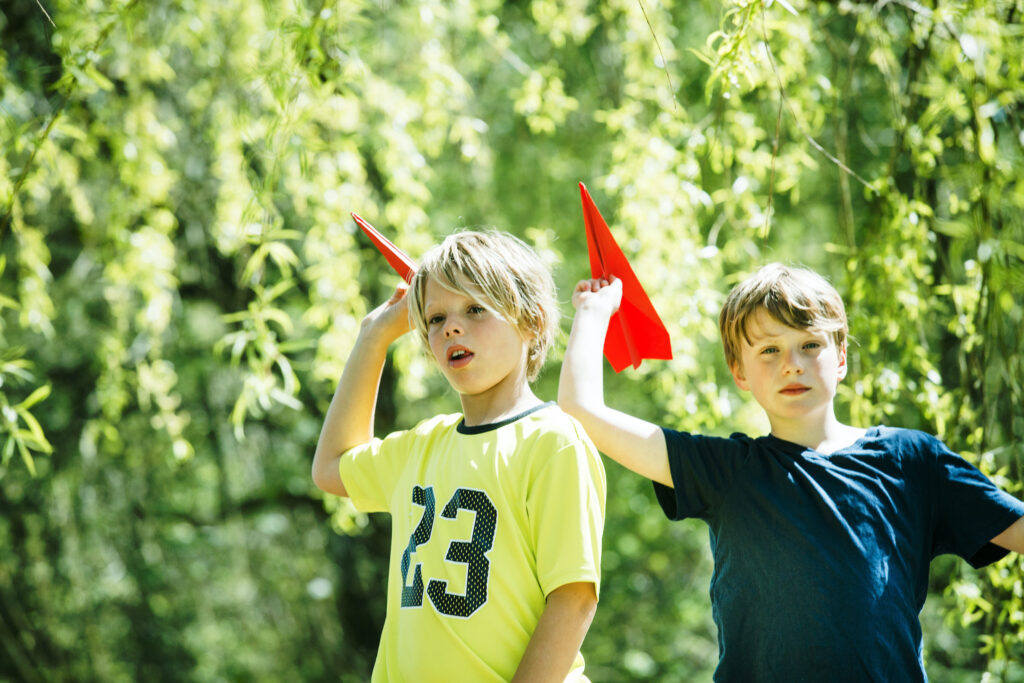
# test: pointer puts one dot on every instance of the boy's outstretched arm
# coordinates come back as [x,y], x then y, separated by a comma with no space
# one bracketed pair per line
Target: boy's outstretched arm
[630,441]
[1013,537]
[349,421]
[556,640]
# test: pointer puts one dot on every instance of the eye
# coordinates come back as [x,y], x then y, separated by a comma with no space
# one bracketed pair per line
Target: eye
[436,319]
[811,346]
[768,350]
[476,309]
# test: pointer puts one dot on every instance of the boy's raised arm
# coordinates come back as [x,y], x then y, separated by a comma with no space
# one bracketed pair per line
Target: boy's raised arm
[633,443]
[349,421]
[1013,537]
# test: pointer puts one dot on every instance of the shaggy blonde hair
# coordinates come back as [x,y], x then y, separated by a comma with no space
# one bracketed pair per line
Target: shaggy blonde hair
[513,280]
[796,297]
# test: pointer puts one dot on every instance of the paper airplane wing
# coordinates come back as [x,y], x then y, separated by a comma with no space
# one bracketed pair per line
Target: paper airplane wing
[402,264]
[635,332]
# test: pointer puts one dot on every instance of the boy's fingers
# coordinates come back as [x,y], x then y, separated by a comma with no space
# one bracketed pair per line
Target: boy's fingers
[597,284]
[400,291]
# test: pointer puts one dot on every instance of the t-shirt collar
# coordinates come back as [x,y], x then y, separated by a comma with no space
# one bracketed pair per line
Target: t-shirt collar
[461,428]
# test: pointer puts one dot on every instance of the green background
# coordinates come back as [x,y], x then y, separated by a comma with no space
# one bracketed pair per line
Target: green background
[180,284]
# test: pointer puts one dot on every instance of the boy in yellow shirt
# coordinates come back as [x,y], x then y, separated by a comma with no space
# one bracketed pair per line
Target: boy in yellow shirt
[497,512]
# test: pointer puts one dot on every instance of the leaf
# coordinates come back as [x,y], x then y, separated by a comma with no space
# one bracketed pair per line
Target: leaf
[278,289]
[285,399]
[283,256]
[785,5]
[40,394]
[278,316]
[701,56]
[8,450]
[26,457]
[255,262]
[35,434]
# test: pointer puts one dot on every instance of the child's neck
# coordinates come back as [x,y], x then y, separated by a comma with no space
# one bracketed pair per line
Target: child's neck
[488,409]
[826,436]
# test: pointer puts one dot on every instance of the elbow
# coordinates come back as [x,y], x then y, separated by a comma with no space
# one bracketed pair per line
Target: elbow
[326,476]
[316,475]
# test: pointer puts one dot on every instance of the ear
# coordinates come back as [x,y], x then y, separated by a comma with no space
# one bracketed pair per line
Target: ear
[842,362]
[737,376]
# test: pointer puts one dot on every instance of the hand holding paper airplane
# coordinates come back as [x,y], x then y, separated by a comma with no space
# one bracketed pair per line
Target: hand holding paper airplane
[402,264]
[635,332]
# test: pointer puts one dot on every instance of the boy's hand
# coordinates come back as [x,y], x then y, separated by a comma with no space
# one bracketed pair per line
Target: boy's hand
[630,441]
[598,295]
[390,320]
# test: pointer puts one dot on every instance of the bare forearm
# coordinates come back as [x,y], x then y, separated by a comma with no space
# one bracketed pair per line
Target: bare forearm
[633,443]
[581,382]
[349,420]
[559,634]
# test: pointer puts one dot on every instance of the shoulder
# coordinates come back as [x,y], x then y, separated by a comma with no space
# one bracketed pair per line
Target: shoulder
[437,423]
[547,424]
[557,435]
[427,429]
[553,422]
[735,443]
[911,452]
[904,442]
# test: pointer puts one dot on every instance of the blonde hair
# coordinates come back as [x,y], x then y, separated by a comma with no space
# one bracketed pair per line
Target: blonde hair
[796,297]
[513,280]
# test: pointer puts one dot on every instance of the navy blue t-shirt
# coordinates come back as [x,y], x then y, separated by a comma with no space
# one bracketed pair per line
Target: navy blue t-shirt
[821,561]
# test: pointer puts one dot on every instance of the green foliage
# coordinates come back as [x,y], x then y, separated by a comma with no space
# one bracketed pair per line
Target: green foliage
[180,285]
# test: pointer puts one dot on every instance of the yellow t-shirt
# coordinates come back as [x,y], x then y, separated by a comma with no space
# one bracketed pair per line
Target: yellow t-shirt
[486,521]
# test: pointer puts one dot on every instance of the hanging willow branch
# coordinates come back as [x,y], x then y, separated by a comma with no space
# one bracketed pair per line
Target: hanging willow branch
[792,112]
[47,14]
[44,134]
[664,62]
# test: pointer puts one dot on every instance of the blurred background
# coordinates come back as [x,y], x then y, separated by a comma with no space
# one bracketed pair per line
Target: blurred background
[180,284]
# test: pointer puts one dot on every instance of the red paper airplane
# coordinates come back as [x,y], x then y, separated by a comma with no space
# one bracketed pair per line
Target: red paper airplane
[402,264]
[635,331]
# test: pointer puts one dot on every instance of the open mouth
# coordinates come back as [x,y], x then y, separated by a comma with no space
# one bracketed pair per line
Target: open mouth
[459,357]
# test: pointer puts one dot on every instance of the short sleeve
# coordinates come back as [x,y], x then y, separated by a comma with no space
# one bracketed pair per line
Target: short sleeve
[565,505]
[970,510]
[702,467]
[369,471]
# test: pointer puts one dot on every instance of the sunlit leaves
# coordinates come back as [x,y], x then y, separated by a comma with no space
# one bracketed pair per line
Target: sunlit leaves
[20,431]
[542,101]
[181,269]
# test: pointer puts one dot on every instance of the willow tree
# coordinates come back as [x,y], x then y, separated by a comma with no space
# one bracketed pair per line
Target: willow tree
[181,284]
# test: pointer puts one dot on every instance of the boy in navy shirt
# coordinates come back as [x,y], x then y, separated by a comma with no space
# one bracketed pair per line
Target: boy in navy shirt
[821,533]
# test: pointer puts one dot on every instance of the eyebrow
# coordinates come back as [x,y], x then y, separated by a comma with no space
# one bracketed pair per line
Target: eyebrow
[766,337]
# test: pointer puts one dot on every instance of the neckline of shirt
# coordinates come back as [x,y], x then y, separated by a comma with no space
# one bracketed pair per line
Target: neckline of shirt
[800,449]
[461,428]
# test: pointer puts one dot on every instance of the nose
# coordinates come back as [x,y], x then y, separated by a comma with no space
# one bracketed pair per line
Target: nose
[452,328]
[792,364]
